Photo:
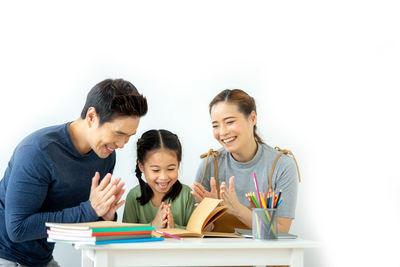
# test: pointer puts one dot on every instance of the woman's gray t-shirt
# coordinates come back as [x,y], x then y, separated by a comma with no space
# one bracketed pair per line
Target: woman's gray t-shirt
[284,177]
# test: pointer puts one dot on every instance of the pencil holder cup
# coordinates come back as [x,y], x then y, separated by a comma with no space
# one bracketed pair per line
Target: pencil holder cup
[265,223]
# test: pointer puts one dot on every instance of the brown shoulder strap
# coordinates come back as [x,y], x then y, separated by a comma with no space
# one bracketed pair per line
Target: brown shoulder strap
[214,154]
[281,152]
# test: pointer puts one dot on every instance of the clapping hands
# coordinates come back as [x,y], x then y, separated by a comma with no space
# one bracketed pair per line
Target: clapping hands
[164,218]
[105,197]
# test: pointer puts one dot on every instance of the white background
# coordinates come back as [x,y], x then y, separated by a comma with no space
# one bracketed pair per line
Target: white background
[324,76]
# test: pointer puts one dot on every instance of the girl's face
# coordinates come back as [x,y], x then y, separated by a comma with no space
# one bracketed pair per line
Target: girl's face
[232,129]
[160,170]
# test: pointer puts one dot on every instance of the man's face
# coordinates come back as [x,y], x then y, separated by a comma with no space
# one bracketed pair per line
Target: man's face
[111,135]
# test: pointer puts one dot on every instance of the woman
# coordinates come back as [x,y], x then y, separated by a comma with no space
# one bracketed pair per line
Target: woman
[234,118]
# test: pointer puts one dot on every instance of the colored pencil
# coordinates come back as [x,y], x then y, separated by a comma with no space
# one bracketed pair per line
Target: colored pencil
[258,191]
[279,202]
[270,200]
[251,201]
[273,200]
[169,235]
[278,198]
[255,201]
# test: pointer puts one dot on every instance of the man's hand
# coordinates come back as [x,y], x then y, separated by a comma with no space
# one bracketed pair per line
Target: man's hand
[199,192]
[110,215]
[105,195]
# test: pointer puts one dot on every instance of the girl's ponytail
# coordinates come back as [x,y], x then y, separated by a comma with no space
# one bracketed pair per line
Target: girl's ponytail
[146,192]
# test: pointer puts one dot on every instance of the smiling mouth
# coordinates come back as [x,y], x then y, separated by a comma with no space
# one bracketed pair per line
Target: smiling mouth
[163,185]
[229,140]
[108,149]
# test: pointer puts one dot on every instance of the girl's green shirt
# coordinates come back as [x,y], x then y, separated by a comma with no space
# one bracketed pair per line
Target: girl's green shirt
[181,208]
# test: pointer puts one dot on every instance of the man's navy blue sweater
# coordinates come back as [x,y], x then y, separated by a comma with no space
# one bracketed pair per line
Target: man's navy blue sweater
[47,180]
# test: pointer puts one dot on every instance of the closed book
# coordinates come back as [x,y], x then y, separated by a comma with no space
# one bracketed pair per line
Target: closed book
[91,228]
[104,242]
[86,233]
[65,236]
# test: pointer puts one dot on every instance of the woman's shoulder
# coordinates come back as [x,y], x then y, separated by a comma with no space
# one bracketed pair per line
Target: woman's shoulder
[272,153]
[220,154]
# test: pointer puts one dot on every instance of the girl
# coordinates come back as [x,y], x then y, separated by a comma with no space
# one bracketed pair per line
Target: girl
[162,200]
[234,118]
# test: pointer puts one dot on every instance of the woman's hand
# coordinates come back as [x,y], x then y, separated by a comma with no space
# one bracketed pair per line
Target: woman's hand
[199,192]
[160,221]
[229,197]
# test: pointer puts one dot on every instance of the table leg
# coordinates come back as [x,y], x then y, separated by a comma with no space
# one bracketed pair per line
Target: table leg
[101,258]
[297,257]
[86,261]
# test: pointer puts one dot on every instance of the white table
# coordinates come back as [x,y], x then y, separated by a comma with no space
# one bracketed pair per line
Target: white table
[198,252]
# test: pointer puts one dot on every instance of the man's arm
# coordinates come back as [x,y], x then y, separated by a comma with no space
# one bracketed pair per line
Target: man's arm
[27,190]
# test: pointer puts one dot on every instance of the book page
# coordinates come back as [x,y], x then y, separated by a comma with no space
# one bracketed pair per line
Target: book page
[219,234]
[178,232]
[215,214]
[202,213]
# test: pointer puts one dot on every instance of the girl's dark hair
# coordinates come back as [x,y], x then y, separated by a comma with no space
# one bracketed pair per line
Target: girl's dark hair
[113,98]
[245,103]
[150,141]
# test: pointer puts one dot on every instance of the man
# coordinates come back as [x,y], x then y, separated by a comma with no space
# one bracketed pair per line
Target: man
[48,178]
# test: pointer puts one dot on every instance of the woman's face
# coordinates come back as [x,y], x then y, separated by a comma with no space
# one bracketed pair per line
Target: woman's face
[232,129]
[160,170]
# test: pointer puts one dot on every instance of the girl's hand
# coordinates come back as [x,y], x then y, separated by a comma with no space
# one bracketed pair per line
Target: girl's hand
[170,218]
[229,197]
[199,192]
[160,221]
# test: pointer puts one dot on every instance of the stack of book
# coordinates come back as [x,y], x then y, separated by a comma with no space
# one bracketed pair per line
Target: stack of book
[102,232]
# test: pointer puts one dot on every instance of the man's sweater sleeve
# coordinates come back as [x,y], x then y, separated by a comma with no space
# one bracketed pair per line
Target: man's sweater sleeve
[27,190]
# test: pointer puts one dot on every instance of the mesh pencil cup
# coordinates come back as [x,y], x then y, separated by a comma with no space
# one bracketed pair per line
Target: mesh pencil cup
[265,223]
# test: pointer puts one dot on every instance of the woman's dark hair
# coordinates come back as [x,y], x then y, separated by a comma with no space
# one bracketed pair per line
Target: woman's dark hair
[150,141]
[114,98]
[245,103]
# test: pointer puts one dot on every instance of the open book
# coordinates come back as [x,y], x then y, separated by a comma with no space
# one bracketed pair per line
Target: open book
[204,214]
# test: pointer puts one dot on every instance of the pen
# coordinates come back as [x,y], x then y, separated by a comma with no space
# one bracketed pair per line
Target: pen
[169,235]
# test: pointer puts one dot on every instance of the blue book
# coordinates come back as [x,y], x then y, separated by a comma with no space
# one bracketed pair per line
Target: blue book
[104,242]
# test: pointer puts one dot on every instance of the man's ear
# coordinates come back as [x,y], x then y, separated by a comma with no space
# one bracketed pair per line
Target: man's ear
[91,116]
